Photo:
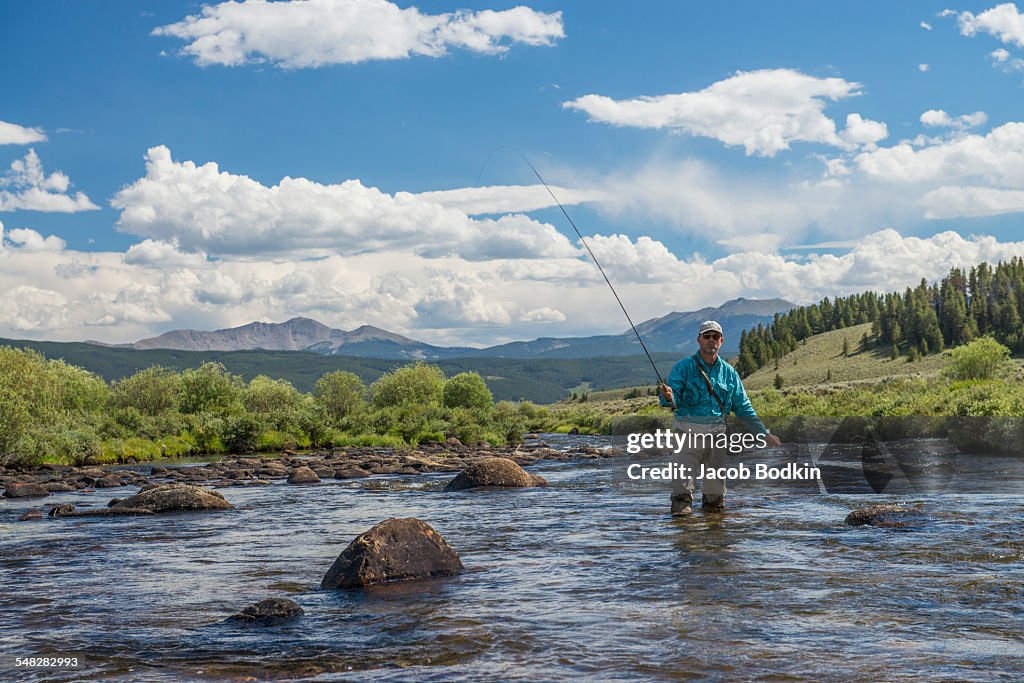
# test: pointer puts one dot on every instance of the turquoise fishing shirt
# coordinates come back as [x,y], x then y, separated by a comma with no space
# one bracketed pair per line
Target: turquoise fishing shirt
[694,402]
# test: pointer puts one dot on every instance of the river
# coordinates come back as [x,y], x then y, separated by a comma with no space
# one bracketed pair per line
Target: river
[589,578]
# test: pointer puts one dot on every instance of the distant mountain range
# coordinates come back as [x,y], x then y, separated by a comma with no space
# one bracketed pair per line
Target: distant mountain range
[674,332]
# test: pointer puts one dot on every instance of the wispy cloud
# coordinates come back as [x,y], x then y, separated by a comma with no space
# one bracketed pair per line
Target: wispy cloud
[1002,21]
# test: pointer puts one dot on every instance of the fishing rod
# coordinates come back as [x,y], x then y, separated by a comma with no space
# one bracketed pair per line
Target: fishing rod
[589,250]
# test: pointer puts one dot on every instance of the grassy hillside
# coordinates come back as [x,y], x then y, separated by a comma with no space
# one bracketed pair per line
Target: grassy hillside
[809,365]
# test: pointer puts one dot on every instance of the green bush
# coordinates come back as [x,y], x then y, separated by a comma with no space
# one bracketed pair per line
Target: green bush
[342,394]
[71,446]
[153,391]
[419,385]
[14,420]
[982,358]
[630,424]
[467,390]
[203,431]
[210,388]
[240,433]
[267,396]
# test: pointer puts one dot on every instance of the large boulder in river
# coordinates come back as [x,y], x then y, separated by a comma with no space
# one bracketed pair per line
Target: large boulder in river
[500,472]
[304,475]
[885,516]
[269,612]
[175,498]
[394,550]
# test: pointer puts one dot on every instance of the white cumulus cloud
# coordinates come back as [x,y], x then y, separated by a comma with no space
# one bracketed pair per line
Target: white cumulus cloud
[1002,21]
[201,208]
[29,188]
[312,33]
[941,119]
[13,134]
[997,157]
[764,111]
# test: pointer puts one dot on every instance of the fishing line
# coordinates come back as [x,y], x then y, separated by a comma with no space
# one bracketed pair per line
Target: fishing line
[589,250]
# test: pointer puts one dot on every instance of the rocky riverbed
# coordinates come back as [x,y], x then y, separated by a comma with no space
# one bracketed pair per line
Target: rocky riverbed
[299,469]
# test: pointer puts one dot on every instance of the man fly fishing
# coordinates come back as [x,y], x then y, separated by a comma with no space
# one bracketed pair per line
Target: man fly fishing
[703,389]
[691,410]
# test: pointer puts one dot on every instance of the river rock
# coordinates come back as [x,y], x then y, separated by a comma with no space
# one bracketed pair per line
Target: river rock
[25,490]
[108,512]
[30,514]
[885,516]
[175,498]
[269,612]
[303,475]
[62,510]
[58,486]
[496,472]
[395,550]
[109,481]
[351,473]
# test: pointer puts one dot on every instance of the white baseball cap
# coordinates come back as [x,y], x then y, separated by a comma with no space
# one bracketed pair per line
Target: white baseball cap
[710,325]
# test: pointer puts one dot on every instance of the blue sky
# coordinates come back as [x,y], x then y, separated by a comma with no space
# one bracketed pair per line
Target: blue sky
[167,165]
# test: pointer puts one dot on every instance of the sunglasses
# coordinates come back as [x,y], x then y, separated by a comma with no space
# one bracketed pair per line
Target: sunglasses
[712,335]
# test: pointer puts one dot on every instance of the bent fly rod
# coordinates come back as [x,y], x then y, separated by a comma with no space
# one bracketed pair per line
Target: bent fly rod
[589,251]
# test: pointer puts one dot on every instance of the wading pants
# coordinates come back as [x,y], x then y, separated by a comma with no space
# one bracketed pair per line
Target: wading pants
[698,454]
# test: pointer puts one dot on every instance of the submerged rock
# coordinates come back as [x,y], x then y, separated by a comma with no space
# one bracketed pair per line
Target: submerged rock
[395,550]
[885,516]
[174,498]
[269,612]
[109,512]
[30,514]
[351,473]
[25,490]
[493,471]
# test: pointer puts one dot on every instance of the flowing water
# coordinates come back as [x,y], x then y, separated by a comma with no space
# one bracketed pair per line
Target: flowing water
[590,578]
